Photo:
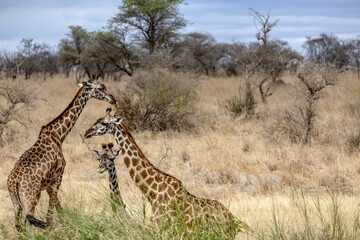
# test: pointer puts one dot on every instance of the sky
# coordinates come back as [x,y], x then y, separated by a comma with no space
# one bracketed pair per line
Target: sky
[47,21]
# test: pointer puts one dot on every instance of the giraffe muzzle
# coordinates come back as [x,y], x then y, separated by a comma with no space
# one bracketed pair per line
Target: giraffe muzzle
[88,133]
[112,100]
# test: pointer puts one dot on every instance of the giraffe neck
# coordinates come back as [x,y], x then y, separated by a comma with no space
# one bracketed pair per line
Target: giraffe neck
[149,179]
[62,125]
[113,183]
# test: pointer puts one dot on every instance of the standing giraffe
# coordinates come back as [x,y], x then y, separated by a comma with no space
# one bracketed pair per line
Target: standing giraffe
[106,159]
[166,194]
[42,166]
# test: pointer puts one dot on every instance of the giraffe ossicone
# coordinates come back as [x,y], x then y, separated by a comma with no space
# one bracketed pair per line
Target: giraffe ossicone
[41,167]
[165,193]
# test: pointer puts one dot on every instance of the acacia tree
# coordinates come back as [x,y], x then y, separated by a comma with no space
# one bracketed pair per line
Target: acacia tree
[154,22]
[111,48]
[71,48]
[201,52]
[354,53]
[250,57]
[31,57]
[279,57]
[327,49]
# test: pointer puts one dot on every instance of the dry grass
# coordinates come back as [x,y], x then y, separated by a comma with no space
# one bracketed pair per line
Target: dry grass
[219,145]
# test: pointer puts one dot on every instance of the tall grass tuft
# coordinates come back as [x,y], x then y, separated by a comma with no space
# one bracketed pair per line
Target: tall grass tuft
[317,223]
[118,223]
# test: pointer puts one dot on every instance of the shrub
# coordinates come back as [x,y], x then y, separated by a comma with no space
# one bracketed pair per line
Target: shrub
[243,103]
[17,100]
[158,100]
[297,120]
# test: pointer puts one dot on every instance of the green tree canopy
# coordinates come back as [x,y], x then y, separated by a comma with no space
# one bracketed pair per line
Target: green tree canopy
[154,22]
[71,48]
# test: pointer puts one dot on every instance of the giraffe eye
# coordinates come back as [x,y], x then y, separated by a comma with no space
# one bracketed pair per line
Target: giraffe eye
[104,124]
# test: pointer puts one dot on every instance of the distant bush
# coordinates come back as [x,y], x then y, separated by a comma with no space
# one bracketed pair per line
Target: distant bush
[237,105]
[158,100]
[297,119]
[17,100]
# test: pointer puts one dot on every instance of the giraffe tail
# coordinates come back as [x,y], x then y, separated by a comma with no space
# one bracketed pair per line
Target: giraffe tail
[36,222]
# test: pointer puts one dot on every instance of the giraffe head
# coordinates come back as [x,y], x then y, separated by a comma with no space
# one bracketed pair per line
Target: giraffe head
[106,157]
[104,125]
[98,90]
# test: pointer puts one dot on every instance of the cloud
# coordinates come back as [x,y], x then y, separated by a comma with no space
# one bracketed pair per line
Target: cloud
[50,23]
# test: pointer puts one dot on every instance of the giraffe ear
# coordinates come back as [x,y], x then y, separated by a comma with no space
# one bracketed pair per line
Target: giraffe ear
[117,152]
[96,154]
[118,120]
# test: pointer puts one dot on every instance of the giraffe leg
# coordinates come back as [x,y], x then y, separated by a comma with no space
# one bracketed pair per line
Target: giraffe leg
[53,202]
[29,200]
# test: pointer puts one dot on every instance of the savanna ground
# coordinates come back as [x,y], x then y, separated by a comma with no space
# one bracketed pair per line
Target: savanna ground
[315,194]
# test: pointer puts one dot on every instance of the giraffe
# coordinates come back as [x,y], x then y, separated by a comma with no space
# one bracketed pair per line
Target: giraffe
[165,193]
[106,159]
[41,167]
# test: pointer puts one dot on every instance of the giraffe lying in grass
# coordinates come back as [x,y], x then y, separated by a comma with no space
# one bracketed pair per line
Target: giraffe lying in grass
[106,159]
[166,194]
[42,166]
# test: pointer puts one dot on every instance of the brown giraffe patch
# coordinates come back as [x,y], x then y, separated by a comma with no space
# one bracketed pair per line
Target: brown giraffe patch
[135,161]
[144,174]
[166,197]
[171,192]
[127,161]
[129,153]
[149,181]
[137,179]
[160,198]
[154,186]
[151,172]
[162,187]
[175,185]
[132,172]
[158,178]
[152,195]
[143,188]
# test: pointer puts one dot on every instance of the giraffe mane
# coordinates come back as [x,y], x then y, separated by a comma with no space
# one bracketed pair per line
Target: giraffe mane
[67,108]
[132,140]
[142,155]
